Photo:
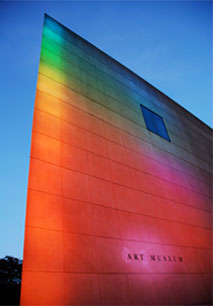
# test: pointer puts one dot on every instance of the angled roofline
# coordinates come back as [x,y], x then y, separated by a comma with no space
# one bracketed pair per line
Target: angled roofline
[146,82]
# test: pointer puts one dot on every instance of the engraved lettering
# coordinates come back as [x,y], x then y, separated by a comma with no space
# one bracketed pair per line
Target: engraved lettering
[141,256]
[159,257]
[152,257]
[136,256]
[129,257]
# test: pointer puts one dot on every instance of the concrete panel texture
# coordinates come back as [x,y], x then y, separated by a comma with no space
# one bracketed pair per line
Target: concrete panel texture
[116,215]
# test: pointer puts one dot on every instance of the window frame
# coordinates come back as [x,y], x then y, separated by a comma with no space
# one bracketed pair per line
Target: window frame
[154,118]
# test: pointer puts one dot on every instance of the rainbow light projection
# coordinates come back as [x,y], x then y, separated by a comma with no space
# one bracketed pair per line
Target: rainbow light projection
[115,214]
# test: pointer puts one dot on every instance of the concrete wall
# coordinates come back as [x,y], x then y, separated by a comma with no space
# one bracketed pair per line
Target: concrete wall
[115,213]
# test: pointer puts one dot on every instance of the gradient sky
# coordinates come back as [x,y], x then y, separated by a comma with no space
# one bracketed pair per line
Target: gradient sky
[168,43]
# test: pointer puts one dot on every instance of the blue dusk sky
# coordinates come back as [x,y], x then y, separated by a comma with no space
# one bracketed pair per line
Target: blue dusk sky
[168,43]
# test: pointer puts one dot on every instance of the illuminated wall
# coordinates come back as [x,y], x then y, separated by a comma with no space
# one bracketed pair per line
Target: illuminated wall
[115,213]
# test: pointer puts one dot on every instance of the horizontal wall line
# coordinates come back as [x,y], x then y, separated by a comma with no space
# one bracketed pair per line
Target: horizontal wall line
[117,238]
[86,150]
[158,197]
[114,98]
[103,120]
[71,89]
[119,162]
[118,273]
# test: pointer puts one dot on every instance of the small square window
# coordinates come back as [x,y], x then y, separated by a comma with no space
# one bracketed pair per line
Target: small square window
[154,123]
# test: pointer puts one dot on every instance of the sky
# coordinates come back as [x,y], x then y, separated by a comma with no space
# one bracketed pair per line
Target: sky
[168,43]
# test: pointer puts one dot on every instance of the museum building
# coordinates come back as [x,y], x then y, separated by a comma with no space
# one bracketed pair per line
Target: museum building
[119,190]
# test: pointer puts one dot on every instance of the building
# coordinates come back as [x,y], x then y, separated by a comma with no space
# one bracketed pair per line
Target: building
[118,204]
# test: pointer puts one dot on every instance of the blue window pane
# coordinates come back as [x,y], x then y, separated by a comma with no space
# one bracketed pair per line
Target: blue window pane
[154,123]
[161,128]
[150,122]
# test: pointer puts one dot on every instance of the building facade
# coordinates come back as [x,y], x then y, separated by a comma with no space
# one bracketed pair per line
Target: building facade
[118,204]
